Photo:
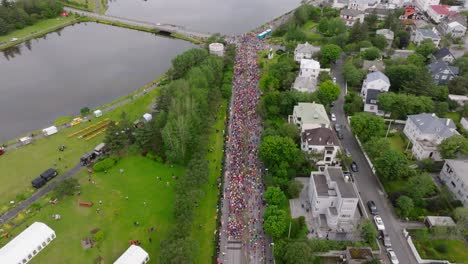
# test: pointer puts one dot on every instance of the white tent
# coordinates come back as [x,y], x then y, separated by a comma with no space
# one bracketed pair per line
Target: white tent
[98,113]
[147,117]
[27,244]
[25,140]
[133,255]
[49,131]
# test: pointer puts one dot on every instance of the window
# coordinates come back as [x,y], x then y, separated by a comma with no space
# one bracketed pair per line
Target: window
[453,184]
[24,260]
[39,248]
[327,159]
[30,256]
[48,239]
[437,76]
[44,244]
[53,236]
[34,252]
[329,151]
[372,107]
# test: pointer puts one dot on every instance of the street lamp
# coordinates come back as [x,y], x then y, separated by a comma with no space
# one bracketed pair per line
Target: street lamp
[273,251]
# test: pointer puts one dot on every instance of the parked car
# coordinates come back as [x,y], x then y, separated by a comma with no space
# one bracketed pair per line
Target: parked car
[339,134]
[385,239]
[337,127]
[49,174]
[332,104]
[38,182]
[372,207]
[334,79]
[333,117]
[2,151]
[379,222]
[392,256]
[347,153]
[354,167]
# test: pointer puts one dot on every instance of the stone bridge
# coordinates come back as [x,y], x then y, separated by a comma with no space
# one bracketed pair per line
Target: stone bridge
[163,28]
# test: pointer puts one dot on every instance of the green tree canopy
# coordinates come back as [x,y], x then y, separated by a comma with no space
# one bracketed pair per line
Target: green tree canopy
[275,150]
[353,103]
[372,53]
[330,53]
[298,252]
[331,26]
[274,196]
[366,125]
[380,42]
[406,205]
[376,146]
[426,48]
[401,105]
[275,223]
[352,74]
[400,74]
[453,146]
[391,165]
[328,92]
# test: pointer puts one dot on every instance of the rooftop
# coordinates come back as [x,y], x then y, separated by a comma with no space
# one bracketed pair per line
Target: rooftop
[427,33]
[351,12]
[372,95]
[387,33]
[441,53]
[431,124]
[305,82]
[305,48]
[321,184]
[374,65]
[377,75]
[442,10]
[310,64]
[460,167]
[133,255]
[439,66]
[440,220]
[320,137]
[346,188]
[311,113]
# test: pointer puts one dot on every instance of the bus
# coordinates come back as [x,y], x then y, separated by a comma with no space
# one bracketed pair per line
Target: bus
[264,34]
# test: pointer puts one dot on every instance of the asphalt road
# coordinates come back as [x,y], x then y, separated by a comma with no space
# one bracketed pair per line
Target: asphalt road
[367,183]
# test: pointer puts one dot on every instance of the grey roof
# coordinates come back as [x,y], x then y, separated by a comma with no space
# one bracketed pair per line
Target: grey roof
[456,18]
[305,82]
[401,53]
[427,33]
[441,53]
[387,33]
[346,188]
[305,48]
[378,11]
[373,65]
[431,124]
[440,220]
[439,66]
[351,12]
[460,167]
[320,181]
[377,75]
[320,137]
[372,95]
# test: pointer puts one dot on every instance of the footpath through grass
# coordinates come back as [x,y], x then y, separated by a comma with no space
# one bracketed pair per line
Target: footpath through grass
[454,251]
[149,202]
[20,166]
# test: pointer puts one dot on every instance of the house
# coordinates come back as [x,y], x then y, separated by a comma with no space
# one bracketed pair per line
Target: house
[432,221]
[361,255]
[464,123]
[455,176]
[333,199]
[441,72]
[321,141]
[362,5]
[401,54]
[443,54]
[438,12]
[351,16]
[381,13]
[309,68]
[426,132]
[339,4]
[371,102]
[421,34]
[375,81]
[424,5]
[305,84]
[460,99]
[304,51]
[455,25]
[27,244]
[309,116]
[133,255]
[387,33]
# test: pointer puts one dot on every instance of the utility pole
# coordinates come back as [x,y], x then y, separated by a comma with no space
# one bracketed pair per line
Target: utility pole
[289,232]
[388,130]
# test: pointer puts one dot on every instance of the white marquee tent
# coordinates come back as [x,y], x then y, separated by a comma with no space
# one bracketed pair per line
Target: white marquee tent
[133,255]
[49,131]
[27,244]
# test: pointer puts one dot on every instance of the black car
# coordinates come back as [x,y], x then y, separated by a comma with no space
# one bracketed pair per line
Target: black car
[339,134]
[49,174]
[38,182]
[354,167]
[337,127]
[372,207]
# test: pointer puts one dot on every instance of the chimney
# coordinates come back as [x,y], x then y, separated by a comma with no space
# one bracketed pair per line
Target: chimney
[320,139]
[447,122]
[433,115]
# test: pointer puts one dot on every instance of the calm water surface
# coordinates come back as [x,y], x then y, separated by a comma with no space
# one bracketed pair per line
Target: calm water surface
[225,16]
[82,65]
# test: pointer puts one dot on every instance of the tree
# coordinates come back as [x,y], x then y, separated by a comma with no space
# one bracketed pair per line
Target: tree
[376,146]
[295,33]
[359,32]
[275,196]
[461,216]
[372,19]
[275,150]
[366,125]
[352,74]
[417,59]
[324,76]
[331,26]
[182,63]
[380,42]
[391,165]
[426,48]
[84,111]
[420,186]
[400,74]
[441,108]
[298,252]
[328,92]
[453,146]
[294,189]
[330,53]
[400,105]
[353,103]
[458,85]
[371,53]
[406,205]
[369,234]
[275,223]
[66,187]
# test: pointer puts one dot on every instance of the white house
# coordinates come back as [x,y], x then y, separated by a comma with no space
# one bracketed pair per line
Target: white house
[426,132]
[362,5]
[304,51]
[455,176]
[443,54]
[305,84]
[133,255]
[333,198]
[455,25]
[460,99]
[375,81]
[321,141]
[464,123]
[309,116]
[309,68]
[27,244]
[424,5]
[439,12]
[421,34]
[351,16]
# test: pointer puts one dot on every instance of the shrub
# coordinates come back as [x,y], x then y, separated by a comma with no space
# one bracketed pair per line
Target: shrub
[66,187]
[84,111]
[294,189]
[98,236]
[105,164]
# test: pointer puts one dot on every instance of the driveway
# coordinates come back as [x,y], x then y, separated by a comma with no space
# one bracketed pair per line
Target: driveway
[367,183]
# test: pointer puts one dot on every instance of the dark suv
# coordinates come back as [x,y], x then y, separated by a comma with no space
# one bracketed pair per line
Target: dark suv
[372,207]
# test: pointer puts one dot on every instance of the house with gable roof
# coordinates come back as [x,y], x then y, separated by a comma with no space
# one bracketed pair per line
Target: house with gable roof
[375,83]
[442,73]
[321,141]
[308,116]
[443,54]
[304,51]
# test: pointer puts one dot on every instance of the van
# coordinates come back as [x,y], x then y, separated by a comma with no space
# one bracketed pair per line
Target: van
[38,182]
[49,174]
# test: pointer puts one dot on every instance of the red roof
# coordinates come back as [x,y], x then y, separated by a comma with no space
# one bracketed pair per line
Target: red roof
[442,10]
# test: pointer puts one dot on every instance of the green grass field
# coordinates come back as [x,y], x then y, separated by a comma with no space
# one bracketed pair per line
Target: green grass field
[431,248]
[117,214]
[20,166]
[39,26]
[397,143]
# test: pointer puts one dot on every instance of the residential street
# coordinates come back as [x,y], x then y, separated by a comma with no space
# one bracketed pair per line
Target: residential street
[367,183]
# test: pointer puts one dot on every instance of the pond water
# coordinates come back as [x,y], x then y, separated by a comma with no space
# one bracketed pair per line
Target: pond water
[86,64]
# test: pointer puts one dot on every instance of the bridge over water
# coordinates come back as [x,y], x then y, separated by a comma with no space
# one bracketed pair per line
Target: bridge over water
[163,28]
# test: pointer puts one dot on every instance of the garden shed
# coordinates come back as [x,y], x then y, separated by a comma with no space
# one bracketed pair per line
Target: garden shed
[147,117]
[432,221]
[49,131]
[133,255]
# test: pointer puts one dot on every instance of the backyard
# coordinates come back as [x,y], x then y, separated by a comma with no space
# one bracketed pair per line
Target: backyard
[440,249]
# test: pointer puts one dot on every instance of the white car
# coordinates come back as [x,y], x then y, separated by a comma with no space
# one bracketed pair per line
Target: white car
[392,256]
[333,117]
[334,79]
[379,223]
[14,39]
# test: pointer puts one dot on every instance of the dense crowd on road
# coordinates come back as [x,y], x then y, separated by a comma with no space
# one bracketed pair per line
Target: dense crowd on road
[243,180]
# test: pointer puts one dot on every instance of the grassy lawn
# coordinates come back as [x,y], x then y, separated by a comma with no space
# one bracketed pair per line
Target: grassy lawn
[39,26]
[428,248]
[397,143]
[455,116]
[309,25]
[204,224]
[20,166]
[117,213]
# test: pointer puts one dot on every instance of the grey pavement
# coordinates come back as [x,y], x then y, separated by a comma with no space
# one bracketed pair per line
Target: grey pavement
[367,183]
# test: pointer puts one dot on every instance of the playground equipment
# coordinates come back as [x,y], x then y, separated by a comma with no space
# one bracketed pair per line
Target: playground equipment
[88,128]
[85,204]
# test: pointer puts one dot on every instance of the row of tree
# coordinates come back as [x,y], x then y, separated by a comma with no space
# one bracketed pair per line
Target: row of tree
[18,14]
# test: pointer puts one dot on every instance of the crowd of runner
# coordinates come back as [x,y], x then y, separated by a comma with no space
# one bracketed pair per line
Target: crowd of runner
[243,186]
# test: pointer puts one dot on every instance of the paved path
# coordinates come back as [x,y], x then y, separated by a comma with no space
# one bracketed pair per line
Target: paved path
[367,183]
[159,26]
[38,195]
